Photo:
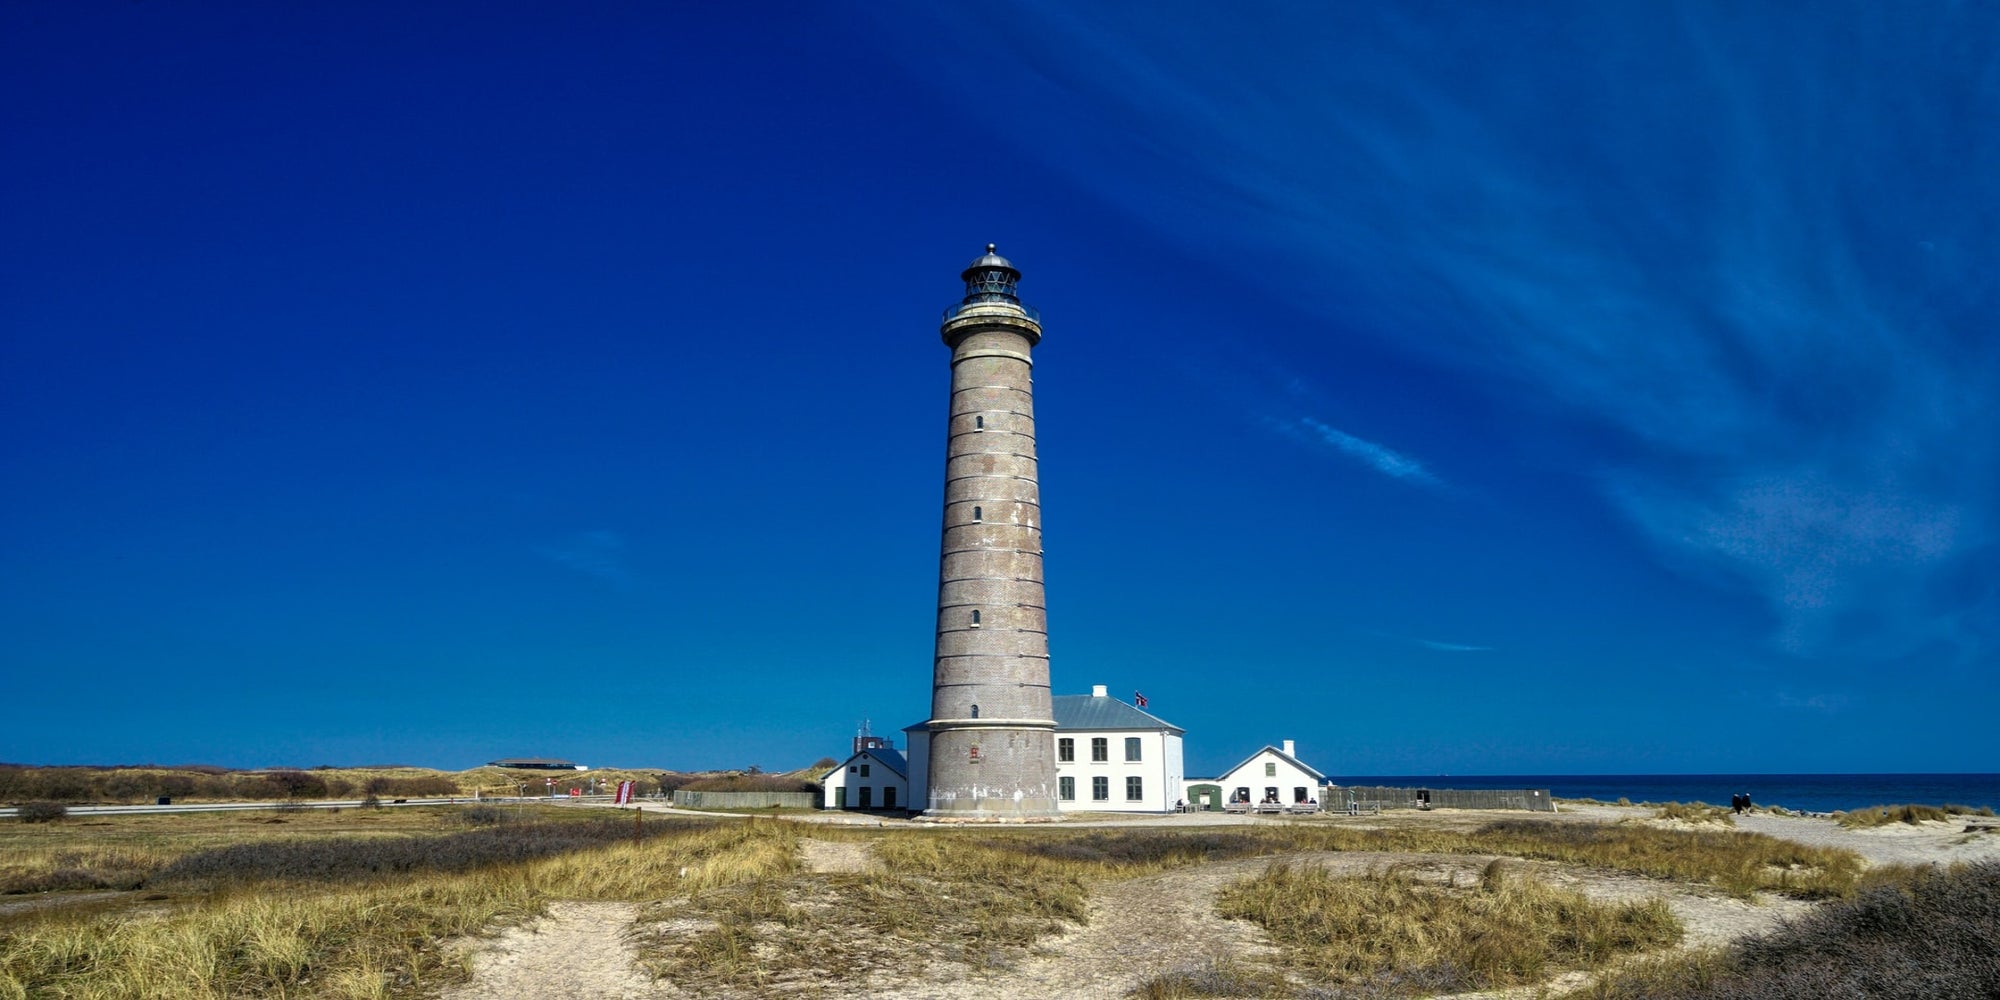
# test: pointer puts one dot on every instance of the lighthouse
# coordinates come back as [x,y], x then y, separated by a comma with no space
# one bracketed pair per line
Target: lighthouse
[991,732]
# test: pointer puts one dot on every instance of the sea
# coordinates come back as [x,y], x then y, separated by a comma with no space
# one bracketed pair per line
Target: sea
[1800,792]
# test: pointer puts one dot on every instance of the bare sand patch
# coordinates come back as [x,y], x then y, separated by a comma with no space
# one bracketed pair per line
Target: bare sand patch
[578,951]
[836,855]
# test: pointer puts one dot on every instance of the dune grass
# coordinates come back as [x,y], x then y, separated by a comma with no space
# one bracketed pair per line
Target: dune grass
[1695,812]
[1397,934]
[346,933]
[933,897]
[1909,933]
[1742,864]
[1218,978]
[125,852]
[1873,816]
[358,904]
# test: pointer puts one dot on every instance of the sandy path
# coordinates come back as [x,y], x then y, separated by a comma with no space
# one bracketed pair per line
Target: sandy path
[579,951]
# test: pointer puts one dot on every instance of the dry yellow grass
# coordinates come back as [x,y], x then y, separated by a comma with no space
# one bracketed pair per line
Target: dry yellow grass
[371,940]
[978,898]
[1404,935]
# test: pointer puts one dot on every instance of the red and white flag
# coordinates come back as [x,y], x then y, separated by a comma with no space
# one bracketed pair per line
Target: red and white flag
[624,793]
[1138,699]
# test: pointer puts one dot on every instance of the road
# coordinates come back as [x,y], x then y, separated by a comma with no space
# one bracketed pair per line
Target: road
[8,813]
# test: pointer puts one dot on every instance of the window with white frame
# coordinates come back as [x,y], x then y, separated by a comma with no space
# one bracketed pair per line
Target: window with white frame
[1131,748]
[1100,789]
[1135,788]
[1066,788]
[1100,749]
[1066,750]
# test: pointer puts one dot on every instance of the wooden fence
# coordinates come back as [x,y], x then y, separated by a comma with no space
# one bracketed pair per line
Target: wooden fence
[746,800]
[1336,799]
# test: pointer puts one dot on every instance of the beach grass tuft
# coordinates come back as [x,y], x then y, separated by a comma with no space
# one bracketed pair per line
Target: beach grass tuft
[1217,978]
[1695,812]
[1909,933]
[1400,935]
[1873,816]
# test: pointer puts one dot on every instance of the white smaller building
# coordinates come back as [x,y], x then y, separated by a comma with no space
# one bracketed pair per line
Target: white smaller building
[875,777]
[1273,775]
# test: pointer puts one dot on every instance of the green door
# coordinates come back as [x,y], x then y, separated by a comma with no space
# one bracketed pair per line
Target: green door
[1208,797]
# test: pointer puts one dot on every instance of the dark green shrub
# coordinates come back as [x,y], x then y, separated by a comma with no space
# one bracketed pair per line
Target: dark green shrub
[41,812]
[297,784]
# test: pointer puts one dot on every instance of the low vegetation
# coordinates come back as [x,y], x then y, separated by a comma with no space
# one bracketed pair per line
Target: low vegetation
[373,934]
[1912,934]
[146,782]
[1695,812]
[40,812]
[750,783]
[352,860]
[1220,978]
[932,899]
[356,903]
[1395,934]
[1912,814]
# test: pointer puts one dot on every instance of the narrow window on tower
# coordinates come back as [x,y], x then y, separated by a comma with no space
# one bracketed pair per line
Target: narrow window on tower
[978,515]
[978,423]
[975,618]
[975,711]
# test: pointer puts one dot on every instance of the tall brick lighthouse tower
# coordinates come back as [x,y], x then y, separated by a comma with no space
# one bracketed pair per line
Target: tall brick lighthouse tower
[992,729]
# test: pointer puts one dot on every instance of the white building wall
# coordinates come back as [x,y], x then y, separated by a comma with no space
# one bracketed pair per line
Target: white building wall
[1158,770]
[880,781]
[1268,770]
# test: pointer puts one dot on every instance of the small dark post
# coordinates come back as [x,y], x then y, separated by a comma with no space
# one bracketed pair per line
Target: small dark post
[638,824]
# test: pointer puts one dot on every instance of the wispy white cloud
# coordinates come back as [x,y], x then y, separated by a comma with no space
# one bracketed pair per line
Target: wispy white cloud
[1381,459]
[599,554]
[1452,647]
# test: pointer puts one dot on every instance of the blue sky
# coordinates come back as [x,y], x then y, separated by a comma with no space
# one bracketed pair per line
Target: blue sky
[1592,389]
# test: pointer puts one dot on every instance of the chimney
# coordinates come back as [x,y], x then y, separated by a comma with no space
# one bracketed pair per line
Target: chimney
[1099,691]
[1289,750]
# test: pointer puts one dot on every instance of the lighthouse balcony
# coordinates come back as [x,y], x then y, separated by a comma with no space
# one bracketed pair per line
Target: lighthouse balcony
[955,311]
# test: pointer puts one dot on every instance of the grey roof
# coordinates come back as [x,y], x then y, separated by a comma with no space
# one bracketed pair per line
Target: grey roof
[893,758]
[1083,711]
